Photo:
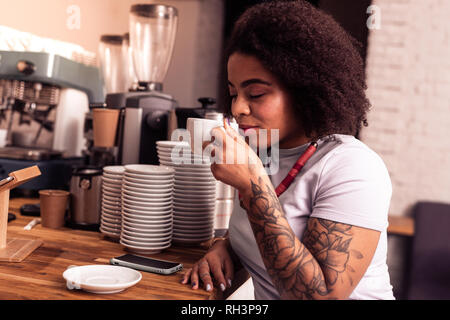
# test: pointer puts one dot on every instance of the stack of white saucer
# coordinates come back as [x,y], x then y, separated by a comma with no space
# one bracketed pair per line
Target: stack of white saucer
[147,208]
[111,215]
[194,193]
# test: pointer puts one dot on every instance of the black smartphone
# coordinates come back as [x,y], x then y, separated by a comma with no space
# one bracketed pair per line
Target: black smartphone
[146,264]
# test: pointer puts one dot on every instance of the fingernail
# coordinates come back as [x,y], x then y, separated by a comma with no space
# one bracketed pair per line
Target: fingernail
[193,284]
[208,287]
[229,283]
[222,287]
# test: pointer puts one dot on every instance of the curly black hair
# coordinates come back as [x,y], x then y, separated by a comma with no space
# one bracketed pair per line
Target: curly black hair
[313,57]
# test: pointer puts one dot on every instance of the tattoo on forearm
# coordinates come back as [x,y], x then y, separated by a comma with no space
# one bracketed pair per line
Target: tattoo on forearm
[299,270]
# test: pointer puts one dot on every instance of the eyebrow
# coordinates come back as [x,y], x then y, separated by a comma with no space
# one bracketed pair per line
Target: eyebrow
[246,83]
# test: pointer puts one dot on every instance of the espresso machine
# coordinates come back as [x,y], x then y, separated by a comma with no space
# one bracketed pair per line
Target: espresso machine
[148,114]
[43,101]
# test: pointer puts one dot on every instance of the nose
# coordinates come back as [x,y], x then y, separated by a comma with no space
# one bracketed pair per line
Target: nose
[240,107]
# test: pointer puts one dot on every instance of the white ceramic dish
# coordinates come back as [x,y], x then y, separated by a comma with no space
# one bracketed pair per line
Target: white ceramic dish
[130,188]
[193,225]
[149,180]
[115,212]
[136,196]
[112,176]
[114,169]
[149,169]
[111,194]
[148,217]
[196,179]
[111,220]
[142,229]
[192,230]
[198,195]
[147,236]
[148,212]
[195,165]
[114,235]
[148,244]
[111,190]
[112,226]
[110,207]
[109,198]
[102,279]
[140,223]
[133,200]
[139,205]
[115,202]
[147,195]
[111,216]
[194,212]
[157,186]
[112,180]
[169,143]
[144,249]
[145,176]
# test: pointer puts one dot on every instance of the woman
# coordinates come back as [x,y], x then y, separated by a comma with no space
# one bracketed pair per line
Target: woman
[317,231]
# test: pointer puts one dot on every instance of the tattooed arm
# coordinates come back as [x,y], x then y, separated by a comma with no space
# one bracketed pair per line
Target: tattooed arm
[326,264]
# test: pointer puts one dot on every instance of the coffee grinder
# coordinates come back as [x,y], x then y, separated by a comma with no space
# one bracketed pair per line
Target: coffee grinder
[148,114]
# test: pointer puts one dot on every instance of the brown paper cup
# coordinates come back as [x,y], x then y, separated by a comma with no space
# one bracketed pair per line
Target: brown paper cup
[105,126]
[53,207]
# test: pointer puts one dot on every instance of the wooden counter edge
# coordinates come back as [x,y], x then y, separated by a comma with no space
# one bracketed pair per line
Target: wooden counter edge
[402,226]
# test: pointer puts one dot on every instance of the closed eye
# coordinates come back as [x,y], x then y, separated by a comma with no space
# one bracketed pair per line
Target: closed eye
[256,96]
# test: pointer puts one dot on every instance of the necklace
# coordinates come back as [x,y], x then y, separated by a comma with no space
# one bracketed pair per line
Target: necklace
[298,166]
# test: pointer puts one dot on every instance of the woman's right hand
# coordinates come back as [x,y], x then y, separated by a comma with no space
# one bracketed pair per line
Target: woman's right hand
[216,267]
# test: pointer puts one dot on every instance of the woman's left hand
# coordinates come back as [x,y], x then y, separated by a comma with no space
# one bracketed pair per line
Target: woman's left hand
[233,161]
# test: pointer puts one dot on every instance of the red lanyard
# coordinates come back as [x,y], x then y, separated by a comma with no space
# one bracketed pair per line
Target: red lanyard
[298,166]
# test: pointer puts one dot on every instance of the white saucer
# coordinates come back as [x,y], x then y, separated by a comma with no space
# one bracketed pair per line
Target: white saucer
[147,236]
[186,166]
[142,229]
[157,186]
[101,278]
[149,169]
[115,235]
[153,205]
[156,190]
[147,244]
[112,176]
[149,180]
[117,170]
[134,222]
[148,217]
[132,193]
[144,249]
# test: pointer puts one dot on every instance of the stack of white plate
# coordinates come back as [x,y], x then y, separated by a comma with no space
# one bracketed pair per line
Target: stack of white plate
[147,208]
[111,216]
[194,193]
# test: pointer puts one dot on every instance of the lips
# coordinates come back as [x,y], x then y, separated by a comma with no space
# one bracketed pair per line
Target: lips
[246,127]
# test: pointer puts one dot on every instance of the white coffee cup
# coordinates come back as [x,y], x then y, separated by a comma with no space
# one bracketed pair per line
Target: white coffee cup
[200,132]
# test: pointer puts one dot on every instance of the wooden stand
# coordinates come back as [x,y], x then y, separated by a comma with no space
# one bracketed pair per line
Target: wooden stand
[15,250]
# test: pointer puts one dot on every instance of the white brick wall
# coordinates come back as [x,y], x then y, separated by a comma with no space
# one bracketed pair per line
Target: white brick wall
[408,75]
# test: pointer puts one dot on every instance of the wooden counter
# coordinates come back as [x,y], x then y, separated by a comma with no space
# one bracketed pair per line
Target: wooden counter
[39,276]
[401,226]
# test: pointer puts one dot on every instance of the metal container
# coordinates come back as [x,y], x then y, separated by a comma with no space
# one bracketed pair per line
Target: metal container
[86,197]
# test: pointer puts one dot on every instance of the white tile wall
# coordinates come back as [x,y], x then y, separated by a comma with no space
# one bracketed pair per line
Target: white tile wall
[408,75]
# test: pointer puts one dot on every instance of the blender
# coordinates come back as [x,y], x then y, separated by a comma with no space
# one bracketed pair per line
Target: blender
[147,112]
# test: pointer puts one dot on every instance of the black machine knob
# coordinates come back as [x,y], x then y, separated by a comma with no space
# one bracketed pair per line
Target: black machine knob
[206,102]
[26,67]
[156,119]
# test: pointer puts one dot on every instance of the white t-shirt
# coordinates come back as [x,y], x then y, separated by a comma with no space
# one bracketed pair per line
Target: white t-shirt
[344,181]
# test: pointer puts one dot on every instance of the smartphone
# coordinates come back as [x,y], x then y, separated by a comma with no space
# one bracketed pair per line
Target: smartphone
[146,264]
